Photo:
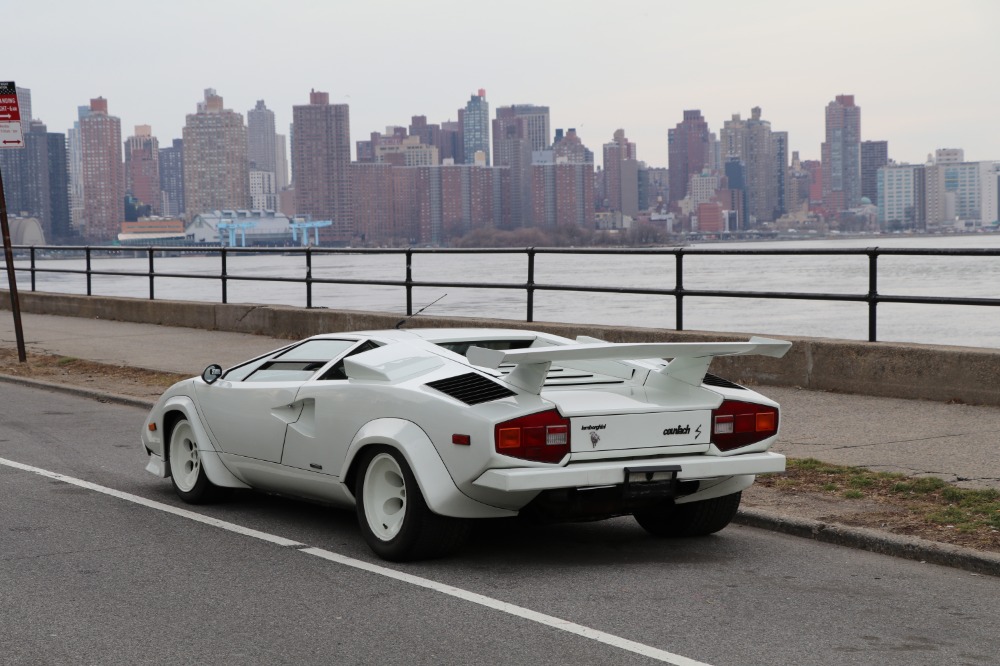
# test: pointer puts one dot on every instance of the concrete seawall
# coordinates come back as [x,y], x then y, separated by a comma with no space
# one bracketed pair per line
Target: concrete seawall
[931,372]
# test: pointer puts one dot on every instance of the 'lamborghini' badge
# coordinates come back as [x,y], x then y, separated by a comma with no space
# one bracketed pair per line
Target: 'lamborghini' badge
[594,438]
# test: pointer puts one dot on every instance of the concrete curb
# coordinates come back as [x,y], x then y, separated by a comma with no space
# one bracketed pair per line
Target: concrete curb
[884,543]
[860,538]
[99,396]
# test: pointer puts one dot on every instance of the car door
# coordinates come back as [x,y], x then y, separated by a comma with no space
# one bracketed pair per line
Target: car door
[249,409]
[318,440]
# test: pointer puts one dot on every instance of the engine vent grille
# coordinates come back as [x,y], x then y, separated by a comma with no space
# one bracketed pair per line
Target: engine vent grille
[471,388]
[713,380]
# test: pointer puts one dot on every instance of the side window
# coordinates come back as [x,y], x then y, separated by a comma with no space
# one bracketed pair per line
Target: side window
[241,372]
[297,362]
[337,371]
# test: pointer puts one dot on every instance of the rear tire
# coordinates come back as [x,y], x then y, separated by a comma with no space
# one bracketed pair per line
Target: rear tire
[691,519]
[394,518]
[186,472]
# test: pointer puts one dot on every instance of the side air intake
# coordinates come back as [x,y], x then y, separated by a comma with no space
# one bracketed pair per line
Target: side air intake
[471,388]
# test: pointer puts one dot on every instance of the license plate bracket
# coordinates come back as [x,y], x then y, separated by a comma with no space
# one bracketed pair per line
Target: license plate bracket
[650,481]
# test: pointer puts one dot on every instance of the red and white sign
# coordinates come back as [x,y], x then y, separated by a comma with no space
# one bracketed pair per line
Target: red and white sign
[10,117]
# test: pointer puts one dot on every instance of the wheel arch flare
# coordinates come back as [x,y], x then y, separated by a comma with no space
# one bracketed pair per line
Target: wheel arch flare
[436,484]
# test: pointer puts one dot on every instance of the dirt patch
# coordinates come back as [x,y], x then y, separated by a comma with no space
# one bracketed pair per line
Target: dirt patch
[926,507]
[831,494]
[121,380]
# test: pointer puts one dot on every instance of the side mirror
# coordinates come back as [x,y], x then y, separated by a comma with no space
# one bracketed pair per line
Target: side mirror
[212,373]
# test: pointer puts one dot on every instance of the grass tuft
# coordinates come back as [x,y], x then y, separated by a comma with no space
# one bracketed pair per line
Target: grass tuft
[928,500]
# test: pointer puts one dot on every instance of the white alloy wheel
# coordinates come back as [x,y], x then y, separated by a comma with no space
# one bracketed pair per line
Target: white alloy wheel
[185,461]
[384,496]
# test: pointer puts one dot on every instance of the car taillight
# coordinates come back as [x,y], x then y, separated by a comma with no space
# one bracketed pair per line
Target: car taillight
[736,424]
[542,437]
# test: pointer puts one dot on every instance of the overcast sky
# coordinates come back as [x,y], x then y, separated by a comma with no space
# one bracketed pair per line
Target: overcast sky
[924,74]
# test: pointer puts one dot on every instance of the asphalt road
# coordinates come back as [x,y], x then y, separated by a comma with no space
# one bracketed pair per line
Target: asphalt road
[88,577]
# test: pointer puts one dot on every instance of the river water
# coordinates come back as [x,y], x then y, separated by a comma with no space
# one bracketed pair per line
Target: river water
[976,326]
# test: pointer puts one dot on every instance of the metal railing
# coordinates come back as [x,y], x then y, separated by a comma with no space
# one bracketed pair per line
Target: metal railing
[872,297]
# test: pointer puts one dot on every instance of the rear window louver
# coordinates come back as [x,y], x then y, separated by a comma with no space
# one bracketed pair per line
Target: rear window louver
[712,380]
[471,388]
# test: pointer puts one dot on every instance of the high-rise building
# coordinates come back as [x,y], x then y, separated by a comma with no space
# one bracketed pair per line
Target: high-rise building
[763,154]
[900,194]
[621,175]
[263,194]
[562,191]
[409,151]
[372,189]
[799,182]
[321,159]
[36,180]
[874,156]
[60,224]
[24,107]
[781,155]
[703,186]
[262,152]
[517,131]
[452,140]
[280,162]
[688,153]
[736,186]
[216,168]
[75,159]
[569,148]
[522,121]
[142,169]
[959,193]
[476,128]
[261,149]
[172,179]
[26,175]
[103,175]
[842,155]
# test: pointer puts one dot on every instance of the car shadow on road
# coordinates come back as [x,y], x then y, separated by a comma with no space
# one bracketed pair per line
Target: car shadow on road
[493,542]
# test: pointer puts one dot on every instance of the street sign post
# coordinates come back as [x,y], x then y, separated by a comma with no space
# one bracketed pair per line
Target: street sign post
[11,135]
[10,116]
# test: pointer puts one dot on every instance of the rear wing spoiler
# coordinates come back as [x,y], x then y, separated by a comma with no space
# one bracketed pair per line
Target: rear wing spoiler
[689,365]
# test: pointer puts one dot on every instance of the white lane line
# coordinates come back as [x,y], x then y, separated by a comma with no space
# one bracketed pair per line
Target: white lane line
[511,609]
[473,597]
[153,504]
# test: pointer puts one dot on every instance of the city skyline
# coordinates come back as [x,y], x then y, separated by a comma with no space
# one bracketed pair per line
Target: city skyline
[638,73]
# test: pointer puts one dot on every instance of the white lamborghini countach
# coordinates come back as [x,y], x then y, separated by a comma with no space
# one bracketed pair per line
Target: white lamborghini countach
[421,430]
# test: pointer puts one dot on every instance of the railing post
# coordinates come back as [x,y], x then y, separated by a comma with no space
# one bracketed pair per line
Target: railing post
[530,286]
[409,281]
[225,285]
[872,293]
[679,287]
[309,277]
[32,254]
[86,252]
[151,272]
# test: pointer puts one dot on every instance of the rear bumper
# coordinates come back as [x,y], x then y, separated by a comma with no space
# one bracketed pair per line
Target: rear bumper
[583,475]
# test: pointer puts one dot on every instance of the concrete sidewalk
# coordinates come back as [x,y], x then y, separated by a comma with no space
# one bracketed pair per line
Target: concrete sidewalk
[953,441]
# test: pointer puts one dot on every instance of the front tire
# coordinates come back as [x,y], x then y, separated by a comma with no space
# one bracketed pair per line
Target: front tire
[186,472]
[691,519]
[394,518]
